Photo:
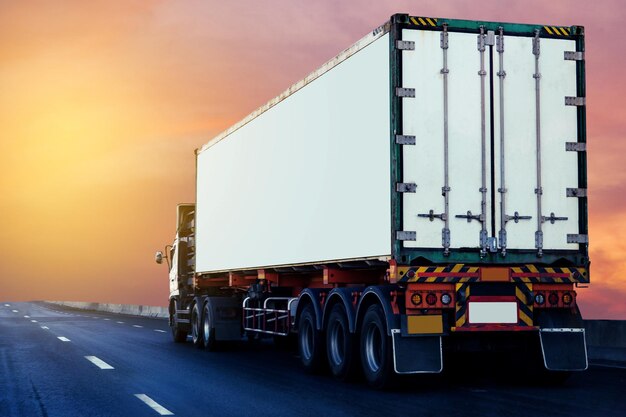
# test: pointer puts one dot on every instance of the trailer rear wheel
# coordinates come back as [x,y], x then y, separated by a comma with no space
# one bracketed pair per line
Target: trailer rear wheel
[340,344]
[310,341]
[208,331]
[376,350]
[196,329]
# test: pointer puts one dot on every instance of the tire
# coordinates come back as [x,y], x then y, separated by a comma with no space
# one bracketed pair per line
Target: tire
[310,341]
[341,346]
[178,335]
[208,331]
[376,349]
[196,328]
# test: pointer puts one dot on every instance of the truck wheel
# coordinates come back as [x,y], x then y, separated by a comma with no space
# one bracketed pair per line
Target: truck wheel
[208,331]
[196,329]
[310,342]
[178,334]
[376,355]
[340,344]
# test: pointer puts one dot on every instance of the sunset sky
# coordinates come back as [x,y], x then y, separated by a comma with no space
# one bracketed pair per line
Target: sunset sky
[102,104]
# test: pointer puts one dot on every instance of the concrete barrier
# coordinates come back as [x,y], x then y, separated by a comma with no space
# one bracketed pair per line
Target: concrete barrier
[606,341]
[130,309]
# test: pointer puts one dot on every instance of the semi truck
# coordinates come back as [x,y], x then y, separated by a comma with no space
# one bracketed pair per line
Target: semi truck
[423,193]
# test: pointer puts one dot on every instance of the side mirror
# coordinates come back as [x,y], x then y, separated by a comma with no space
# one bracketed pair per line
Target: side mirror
[158,257]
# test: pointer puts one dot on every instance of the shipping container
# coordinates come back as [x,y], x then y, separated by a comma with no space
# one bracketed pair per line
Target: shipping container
[432,174]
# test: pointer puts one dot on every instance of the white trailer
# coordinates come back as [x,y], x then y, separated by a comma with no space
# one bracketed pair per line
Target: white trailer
[436,168]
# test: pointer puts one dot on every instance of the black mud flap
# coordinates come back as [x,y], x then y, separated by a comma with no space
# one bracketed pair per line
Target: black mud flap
[564,349]
[412,355]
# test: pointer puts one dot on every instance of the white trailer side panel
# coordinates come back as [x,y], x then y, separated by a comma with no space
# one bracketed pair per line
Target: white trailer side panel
[306,181]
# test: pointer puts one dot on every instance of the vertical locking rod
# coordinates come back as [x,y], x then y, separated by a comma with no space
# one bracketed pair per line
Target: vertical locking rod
[538,190]
[483,143]
[502,189]
[445,191]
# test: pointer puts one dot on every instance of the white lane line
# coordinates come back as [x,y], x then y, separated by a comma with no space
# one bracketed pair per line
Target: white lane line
[63,339]
[15,311]
[33,321]
[120,322]
[45,327]
[154,405]
[138,326]
[106,319]
[26,317]
[160,331]
[98,362]
[7,305]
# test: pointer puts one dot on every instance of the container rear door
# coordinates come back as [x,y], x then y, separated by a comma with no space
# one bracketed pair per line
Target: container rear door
[491,116]
[426,117]
[538,214]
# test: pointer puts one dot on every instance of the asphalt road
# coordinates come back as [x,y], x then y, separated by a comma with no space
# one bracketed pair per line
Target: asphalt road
[44,371]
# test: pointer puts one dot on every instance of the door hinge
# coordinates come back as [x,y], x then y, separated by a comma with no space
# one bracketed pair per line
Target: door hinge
[576,192]
[577,238]
[405,45]
[405,92]
[575,101]
[403,235]
[406,187]
[574,56]
[405,140]
[576,146]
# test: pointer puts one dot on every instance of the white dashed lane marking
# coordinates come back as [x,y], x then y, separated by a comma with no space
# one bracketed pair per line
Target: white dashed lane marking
[138,326]
[7,305]
[160,331]
[26,317]
[120,322]
[154,405]
[98,362]
[15,311]
[63,339]
[45,327]
[33,321]
[106,319]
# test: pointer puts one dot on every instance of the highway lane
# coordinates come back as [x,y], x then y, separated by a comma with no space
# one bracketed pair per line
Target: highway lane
[42,375]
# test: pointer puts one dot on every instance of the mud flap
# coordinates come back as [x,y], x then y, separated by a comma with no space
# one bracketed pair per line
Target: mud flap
[413,355]
[226,312]
[564,349]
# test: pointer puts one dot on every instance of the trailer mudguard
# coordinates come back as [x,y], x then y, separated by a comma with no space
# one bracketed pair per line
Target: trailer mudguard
[310,295]
[562,339]
[564,349]
[343,295]
[414,355]
[382,295]
[225,317]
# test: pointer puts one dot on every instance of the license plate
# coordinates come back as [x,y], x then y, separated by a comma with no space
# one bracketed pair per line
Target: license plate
[492,312]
